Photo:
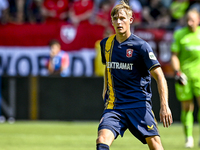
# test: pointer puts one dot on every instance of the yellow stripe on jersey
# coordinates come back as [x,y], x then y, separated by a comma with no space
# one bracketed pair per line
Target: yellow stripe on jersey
[108,55]
[153,66]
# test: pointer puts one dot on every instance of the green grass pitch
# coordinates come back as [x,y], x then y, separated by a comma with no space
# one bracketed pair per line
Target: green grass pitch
[52,135]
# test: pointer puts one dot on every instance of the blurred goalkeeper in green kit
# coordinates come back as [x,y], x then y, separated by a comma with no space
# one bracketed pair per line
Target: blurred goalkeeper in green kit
[186,63]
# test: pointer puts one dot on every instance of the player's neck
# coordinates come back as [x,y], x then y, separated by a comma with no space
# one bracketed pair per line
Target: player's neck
[122,37]
[194,29]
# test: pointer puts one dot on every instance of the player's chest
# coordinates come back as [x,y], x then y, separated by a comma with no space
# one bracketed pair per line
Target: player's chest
[124,53]
[191,42]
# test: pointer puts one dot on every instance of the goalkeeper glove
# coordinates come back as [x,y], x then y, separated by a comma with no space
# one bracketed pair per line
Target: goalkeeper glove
[181,78]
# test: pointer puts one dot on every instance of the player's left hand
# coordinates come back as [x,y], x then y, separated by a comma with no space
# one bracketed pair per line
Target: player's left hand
[166,116]
[180,78]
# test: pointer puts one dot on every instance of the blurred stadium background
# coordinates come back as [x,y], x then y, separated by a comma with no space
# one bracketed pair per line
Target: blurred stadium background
[29,93]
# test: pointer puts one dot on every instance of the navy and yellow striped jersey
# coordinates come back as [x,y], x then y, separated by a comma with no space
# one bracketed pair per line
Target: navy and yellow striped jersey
[128,72]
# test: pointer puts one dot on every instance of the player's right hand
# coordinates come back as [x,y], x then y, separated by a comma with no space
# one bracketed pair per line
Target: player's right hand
[181,78]
[166,116]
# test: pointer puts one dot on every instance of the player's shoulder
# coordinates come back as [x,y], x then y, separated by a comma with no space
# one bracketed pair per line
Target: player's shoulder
[110,38]
[104,40]
[181,32]
[139,43]
[62,53]
[198,29]
[103,43]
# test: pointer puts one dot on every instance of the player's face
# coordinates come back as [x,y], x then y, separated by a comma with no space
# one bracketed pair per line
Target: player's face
[55,49]
[193,21]
[121,22]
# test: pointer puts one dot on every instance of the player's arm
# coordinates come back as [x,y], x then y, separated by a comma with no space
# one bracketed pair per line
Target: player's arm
[105,83]
[50,66]
[180,77]
[175,63]
[165,112]
[102,45]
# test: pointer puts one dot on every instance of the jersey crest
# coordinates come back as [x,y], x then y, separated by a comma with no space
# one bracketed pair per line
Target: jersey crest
[129,53]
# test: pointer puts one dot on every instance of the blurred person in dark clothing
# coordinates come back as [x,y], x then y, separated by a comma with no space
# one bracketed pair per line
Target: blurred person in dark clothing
[4,6]
[34,11]
[16,11]
[155,14]
[25,11]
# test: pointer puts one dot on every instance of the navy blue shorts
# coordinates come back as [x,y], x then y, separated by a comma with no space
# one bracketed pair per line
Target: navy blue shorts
[140,122]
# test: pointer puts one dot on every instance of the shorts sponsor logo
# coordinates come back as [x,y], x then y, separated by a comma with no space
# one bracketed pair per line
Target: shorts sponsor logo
[150,127]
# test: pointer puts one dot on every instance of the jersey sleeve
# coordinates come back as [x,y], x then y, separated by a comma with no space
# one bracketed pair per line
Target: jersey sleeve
[102,45]
[148,56]
[175,46]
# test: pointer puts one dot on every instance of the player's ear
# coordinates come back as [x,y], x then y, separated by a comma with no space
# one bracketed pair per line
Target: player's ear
[131,20]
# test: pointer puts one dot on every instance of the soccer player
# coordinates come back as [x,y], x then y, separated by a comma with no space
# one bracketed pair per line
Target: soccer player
[185,61]
[59,60]
[127,92]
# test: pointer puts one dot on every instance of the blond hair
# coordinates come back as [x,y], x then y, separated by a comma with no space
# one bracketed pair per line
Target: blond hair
[193,11]
[123,6]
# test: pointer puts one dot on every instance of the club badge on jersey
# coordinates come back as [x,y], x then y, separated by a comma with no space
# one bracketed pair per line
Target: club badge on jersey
[129,53]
